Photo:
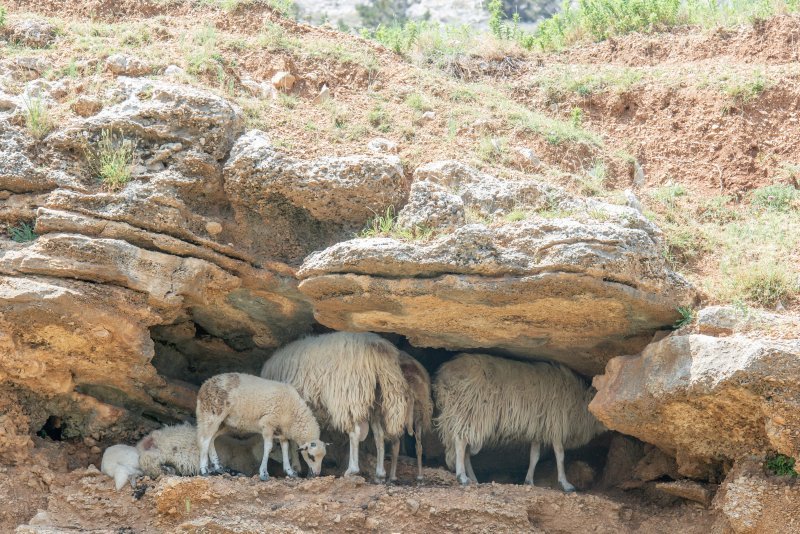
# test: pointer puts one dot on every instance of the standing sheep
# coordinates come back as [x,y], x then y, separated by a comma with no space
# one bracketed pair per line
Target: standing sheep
[485,400]
[420,409]
[245,403]
[175,448]
[353,381]
[121,462]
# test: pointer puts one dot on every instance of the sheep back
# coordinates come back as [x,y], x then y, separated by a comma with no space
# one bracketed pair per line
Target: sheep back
[493,401]
[340,375]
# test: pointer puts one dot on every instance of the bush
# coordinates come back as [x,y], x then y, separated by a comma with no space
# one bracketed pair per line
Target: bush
[112,159]
[37,117]
[2,16]
[774,197]
[22,233]
[781,465]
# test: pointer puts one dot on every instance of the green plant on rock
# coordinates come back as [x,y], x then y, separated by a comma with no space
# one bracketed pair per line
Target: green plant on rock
[687,316]
[111,159]
[22,233]
[380,224]
[37,117]
[2,16]
[781,465]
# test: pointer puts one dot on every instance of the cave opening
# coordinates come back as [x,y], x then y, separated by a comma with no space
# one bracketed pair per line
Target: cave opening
[53,428]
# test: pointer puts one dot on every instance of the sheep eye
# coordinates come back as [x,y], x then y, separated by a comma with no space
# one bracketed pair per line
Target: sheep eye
[313,443]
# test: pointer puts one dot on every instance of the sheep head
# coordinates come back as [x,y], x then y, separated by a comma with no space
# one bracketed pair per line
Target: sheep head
[313,452]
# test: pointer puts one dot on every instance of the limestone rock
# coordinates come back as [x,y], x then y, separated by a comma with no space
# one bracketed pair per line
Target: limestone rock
[155,112]
[624,453]
[575,291]
[125,65]
[382,146]
[283,81]
[18,173]
[32,33]
[278,197]
[706,399]
[86,106]
[755,503]
[689,490]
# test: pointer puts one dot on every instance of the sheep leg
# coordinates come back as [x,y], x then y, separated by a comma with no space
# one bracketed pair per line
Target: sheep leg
[558,448]
[206,429]
[418,446]
[468,466]
[395,454]
[212,450]
[380,451]
[287,466]
[461,447]
[266,432]
[355,435]
[295,458]
[535,447]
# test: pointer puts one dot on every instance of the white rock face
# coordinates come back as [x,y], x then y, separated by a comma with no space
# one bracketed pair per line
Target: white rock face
[573,290]
[706,399]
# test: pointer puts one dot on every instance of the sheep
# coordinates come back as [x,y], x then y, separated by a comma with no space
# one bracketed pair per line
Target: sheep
[121,462]
[174,448]
[485,400]
[353,381]
[246,403]
[420,410]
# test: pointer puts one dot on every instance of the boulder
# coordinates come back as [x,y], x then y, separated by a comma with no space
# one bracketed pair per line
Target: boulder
[125,65]
[753,502]
[578,290]
[32,33]
[706,400]
[278,199]
[154,112]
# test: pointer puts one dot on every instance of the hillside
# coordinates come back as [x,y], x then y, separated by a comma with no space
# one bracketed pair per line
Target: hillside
[187,186]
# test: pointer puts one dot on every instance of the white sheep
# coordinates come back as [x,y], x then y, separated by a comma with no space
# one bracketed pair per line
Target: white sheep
[353,381]
[121,462]
[175,449]
[246,403]
[420,409]
[487,401]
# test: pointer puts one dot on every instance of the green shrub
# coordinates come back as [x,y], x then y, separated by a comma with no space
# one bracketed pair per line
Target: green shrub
[2,16]
[687,316]
[774,197]
[37,117]
[22,233]
[781,465]
[112,159]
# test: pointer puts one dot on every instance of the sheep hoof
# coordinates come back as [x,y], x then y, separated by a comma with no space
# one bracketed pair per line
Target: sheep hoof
[264,477]
[349,473]
[568,488]
[292,474]
[464,480]
[420,478]
[529,482]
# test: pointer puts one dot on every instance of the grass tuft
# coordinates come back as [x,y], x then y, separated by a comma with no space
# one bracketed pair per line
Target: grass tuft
[781,465]
[37,117]
[687,316]
[22,233]
[111,159]
[774,197]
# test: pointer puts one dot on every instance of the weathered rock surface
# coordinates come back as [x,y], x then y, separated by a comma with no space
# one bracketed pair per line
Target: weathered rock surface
[753,502]
[32,33]
[706,400]
[577,291]
[292,207]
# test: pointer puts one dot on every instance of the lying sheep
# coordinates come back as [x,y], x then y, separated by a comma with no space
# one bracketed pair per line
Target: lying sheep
[484,400]
[351,381]
[245,403]
[121,462]
[420,409]
[174,448]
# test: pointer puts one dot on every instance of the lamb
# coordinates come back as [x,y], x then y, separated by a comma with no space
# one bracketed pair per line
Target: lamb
[485,400]
[353,381]
[420,409]
[246,403]
[174,448]
[121,462]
